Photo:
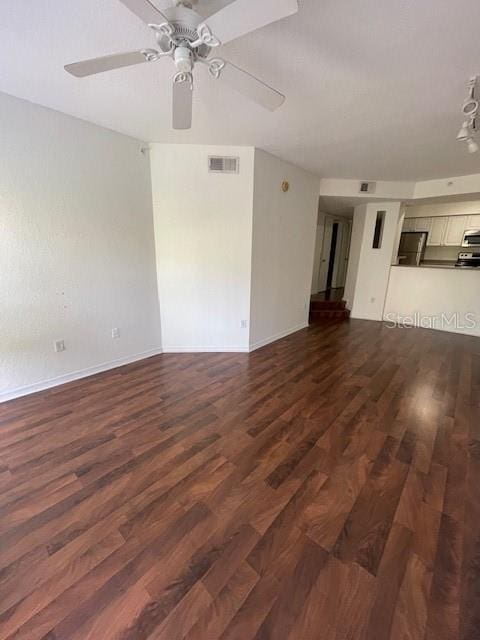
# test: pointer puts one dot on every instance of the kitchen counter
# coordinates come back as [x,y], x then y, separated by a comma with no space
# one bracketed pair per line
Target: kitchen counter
[436,265]
[434,297]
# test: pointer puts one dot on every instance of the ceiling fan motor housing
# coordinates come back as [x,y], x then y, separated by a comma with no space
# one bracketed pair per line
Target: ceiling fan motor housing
[184,23]
[183,59]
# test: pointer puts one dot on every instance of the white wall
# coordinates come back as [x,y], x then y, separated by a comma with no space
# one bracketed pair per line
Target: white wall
[458,185]
[423,296]
[77,251]
[351,189]
[356,243]
[443,188]
[284,229]
[231,248]
[368,270]
[203,234]
[471,207]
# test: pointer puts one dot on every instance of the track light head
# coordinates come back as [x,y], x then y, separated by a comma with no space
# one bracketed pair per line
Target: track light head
[465,132]
[472,146]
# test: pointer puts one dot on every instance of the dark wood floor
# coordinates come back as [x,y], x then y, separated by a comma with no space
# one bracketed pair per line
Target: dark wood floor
[324,487]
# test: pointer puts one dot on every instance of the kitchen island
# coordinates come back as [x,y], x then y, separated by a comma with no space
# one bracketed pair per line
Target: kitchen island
[437,296]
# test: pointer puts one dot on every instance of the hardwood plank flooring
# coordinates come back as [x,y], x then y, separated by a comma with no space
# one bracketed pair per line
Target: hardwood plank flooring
[325,487]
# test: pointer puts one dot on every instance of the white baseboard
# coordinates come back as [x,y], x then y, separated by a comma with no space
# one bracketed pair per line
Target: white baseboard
[277,336]
[205,349]
[119,362]
[76,375]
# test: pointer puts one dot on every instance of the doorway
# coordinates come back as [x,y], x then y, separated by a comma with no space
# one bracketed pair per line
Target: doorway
[333,247]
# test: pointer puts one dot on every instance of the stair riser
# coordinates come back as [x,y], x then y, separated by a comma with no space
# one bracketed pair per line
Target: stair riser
[326,305]
[318,316]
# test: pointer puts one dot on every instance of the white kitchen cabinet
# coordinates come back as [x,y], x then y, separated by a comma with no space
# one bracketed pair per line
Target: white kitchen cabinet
[455,230]
[473,222]
[409,224]
[422,224]
[436,237]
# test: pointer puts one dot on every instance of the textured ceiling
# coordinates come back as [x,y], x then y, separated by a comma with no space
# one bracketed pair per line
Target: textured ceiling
[374,89]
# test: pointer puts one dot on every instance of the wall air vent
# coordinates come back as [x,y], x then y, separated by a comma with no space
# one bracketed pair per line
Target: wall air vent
[368,187]
[221,164]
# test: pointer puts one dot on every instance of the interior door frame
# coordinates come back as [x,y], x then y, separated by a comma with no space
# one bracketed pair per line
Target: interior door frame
[341,255]
[344,253]
[325,253]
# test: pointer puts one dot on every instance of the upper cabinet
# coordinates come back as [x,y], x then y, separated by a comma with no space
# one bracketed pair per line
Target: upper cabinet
[473,222]
[409,224]
[443,231]
[455,230]
[422,224]
[417,224]
[436,236]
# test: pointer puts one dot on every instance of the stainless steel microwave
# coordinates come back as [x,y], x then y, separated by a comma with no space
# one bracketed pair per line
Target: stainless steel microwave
[471,238]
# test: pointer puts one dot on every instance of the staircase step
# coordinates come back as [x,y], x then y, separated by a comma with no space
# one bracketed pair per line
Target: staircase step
[329,314]
[327,305]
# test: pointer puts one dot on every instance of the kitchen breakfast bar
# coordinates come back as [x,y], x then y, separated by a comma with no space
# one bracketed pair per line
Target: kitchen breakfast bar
[434,296]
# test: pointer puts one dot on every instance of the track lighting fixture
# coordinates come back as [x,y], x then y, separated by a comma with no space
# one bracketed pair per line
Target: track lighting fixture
[470,109]
[472,146]
[464,133]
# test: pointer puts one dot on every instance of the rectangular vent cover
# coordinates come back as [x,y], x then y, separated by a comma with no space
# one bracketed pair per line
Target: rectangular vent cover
[219,164]
[368,187]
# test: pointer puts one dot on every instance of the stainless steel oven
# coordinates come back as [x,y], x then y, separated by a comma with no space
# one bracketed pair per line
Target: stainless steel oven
[471,238]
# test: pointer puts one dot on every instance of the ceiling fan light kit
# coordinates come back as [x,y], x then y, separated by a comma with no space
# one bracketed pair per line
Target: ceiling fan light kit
[469,128]
[188,39]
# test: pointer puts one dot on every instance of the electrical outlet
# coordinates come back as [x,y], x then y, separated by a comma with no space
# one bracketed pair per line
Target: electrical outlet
[115,333]
[59,345]
[243,324]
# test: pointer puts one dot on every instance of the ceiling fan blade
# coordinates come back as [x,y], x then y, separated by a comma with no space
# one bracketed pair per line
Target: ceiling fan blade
[145,10]
[182,105]
[251,87]
[106,63]
[243,16]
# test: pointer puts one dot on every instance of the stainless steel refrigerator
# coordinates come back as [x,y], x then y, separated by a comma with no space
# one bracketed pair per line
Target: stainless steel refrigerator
[412,247]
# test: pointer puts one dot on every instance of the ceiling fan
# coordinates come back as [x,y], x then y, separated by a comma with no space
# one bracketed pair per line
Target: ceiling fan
[188,39]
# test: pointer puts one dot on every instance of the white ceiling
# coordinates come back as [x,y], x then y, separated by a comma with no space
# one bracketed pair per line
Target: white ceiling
[374,87]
